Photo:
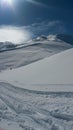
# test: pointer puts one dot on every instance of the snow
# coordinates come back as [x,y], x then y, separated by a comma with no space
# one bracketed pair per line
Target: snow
[24,54]
[38,96]
[52,37]
[54,73]
[22,109]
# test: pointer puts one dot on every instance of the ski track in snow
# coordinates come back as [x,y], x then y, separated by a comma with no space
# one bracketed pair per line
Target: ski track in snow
[22,109]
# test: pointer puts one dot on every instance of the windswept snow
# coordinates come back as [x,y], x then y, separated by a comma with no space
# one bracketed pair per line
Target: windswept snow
[54,73]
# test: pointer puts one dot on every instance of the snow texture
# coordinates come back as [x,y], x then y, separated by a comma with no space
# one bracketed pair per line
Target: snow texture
[38,96]
[22,109]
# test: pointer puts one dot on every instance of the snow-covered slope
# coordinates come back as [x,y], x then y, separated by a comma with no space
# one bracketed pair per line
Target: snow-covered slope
[66,41]
[6,46]
[13,56]
[52,73]
[22,109]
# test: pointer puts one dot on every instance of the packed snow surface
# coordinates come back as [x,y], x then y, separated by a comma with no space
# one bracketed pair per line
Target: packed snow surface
[22,109]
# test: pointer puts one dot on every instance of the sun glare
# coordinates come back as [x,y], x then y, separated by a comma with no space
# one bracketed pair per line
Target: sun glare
[7,1]
[7,4]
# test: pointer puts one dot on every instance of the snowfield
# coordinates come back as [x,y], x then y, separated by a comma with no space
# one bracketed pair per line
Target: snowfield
[38,96]
[13,56]
[54,74]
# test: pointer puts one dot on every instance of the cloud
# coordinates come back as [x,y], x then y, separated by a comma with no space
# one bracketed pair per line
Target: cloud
[37,3]
[47,27]
[20,34]
[13,34]
[53,23]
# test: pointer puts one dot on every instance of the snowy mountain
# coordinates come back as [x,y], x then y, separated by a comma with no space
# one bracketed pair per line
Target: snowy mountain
[6,46]
[40,38]
[13,56]
[51,72]
[38,96]
[62,38]
[57,38]
[66,40]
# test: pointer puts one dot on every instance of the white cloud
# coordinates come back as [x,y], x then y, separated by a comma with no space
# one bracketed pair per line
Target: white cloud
[23,33]
[48,27]
[37,3]
[53,23]
[13,34]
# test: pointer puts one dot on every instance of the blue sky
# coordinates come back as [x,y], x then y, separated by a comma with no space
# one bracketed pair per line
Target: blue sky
[38,16]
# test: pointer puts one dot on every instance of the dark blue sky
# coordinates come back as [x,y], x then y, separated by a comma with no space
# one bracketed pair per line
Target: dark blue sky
[56,16]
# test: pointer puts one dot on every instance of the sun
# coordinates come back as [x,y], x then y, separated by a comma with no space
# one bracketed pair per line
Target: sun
[7,2]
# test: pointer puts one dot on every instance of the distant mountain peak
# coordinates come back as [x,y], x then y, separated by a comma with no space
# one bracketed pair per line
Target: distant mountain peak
[40,38]
[56,37]
[6,45]
[51,37]
[61,37]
